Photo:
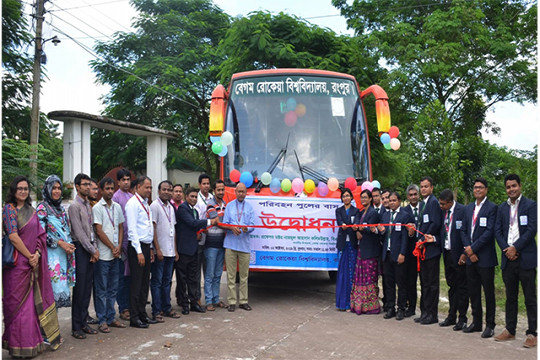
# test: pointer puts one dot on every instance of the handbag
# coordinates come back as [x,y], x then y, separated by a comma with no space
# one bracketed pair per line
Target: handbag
[9,253]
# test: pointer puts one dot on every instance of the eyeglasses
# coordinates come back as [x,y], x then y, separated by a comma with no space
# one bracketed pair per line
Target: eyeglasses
[22,189]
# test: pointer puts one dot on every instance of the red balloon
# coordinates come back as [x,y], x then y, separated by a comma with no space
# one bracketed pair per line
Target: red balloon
[393,132]
[234,175]
[350,183]
[290,118]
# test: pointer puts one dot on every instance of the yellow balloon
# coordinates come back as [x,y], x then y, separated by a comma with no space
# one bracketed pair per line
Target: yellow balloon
[333,184]
[309,186]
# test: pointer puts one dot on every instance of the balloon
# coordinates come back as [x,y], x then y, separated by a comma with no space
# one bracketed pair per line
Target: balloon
[309,186]
[393,132]
[395,144]
[290,118]
[246,178]
[385,138]
[266,178]
[333,184]
[213,139]
[387,146]
[300,110]
[291,104]
[297,185]
[275,185]
[226,138]
[234,175]
[217,147]
[366,185]
[223,152]
[322,189]
[286,185]
[376,184]
[350,183]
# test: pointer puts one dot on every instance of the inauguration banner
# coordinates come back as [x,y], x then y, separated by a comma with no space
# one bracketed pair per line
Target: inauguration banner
[298,248]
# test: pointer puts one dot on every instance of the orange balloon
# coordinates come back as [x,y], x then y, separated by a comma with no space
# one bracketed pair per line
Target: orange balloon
[333,184]
[300,110]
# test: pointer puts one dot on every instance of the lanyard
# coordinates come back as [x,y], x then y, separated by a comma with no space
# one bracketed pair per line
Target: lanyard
[238,212]
[204,201]
[448,222]
[144,207]
[167,213]
[109,214]
[89,212]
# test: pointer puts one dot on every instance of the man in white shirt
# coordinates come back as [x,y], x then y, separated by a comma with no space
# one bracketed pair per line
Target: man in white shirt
[203,197]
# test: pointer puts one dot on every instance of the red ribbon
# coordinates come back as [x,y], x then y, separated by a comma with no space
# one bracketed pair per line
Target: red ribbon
[420,253]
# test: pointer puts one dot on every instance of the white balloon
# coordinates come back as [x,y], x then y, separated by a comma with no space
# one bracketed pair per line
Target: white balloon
[226,138]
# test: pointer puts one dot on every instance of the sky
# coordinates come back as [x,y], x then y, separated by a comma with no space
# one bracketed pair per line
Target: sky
[71,85]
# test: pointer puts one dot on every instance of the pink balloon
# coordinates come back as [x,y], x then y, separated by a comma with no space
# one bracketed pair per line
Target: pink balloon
[395,144]
[297,185]
[350,183]
[290,118]
[367,185]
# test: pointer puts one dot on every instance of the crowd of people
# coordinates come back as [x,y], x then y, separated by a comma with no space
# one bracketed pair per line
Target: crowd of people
[398,242]
[120,247]
[123,246]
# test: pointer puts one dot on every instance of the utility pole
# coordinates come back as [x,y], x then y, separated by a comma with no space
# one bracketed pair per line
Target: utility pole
[34,124]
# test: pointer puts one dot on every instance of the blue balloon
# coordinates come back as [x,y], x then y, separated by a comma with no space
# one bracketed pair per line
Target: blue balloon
[385,138]
[213,139]
[275,185]
[223,151]
[246,178]
[291,104]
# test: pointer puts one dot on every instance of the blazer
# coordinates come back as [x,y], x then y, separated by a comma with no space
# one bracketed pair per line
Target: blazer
[527,224]
[482,241]
[343,218]
[186,229]
[370,245]
[399,236]
[412,239]
[429,222]
[456,244]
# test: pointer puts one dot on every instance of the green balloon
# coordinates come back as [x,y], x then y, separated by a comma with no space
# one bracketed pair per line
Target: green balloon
[286,185]
[217,147]
[386,146]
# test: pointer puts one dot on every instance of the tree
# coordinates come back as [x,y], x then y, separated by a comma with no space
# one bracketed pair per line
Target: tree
[174,48]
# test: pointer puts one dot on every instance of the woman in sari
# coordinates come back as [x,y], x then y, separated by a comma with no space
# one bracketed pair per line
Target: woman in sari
[28,301]
[365,292]
[346,245]
[61,260]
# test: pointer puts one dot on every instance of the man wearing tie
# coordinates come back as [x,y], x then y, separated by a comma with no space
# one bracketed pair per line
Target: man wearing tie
[478,237]
[454,260]
[410,260]
[377,201]
[516,230]
[187,225]
[429,224]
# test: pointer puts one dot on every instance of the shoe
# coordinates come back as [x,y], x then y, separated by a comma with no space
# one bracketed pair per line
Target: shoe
[231,308]
[400,315]
[472,328]
[138,324]
[390,314]
[409,313]
[245,307]
[90,320]
[78,334]
[488,332]
[459,326]
[420,318]
[185,310]
[197,308]
[530,341]
[447,322]
[505,336]
[147,320]
[428,320]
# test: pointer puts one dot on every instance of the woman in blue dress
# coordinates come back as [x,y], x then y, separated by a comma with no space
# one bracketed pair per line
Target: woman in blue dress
[346,245]
[61,257]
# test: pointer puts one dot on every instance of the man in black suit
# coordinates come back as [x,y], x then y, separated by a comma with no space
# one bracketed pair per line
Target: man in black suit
[395,246]
[413,209]
[454,260]
[515,231]
[187,225]
[429,223]
[478,237]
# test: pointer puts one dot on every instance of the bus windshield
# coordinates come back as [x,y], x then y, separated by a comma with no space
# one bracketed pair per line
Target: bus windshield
[310,121]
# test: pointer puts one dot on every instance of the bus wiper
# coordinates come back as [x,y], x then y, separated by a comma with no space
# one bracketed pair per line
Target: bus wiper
[313,173]
[272,167]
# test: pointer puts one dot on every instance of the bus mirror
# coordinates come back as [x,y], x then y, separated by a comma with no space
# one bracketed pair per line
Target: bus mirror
[217,110]
[381,106]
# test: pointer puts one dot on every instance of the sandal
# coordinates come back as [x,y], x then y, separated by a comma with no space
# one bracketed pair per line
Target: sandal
[210,307]
[78,334]
[158,318]
[172,314]
[104,328]
[222,305]
[89,330]
[117,324]
[124,315]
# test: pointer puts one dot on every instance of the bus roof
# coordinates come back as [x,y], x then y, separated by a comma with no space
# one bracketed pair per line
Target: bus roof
[268,72]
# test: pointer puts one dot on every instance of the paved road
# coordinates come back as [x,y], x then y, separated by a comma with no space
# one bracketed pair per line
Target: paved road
[293,317]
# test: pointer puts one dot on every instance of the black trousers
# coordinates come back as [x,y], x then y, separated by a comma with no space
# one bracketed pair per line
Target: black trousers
[512,275]
[456,279]
[201,269]
[188,266]
[395,274]
[429,281]
[140,282]
[411,281]
[478,278]
[84,273]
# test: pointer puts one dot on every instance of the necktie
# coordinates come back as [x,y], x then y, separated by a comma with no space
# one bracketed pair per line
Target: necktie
[390,228]
[378,210]
[195,214]
[416,214]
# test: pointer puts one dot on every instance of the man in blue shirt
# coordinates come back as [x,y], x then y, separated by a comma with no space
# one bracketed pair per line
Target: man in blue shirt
[237,246]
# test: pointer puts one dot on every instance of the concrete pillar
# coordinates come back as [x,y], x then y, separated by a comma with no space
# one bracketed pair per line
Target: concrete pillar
[156,152]
[76,150]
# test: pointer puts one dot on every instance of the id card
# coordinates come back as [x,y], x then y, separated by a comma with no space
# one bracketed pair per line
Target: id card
[458,224]
[483,221]
[398,227]
[171,232]
[523,221]
[115,238]
[426,218]
[352,219]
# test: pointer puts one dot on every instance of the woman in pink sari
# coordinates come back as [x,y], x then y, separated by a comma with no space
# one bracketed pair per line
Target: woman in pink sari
[29,308]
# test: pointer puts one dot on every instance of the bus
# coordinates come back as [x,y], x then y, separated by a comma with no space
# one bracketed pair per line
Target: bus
[295,123]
